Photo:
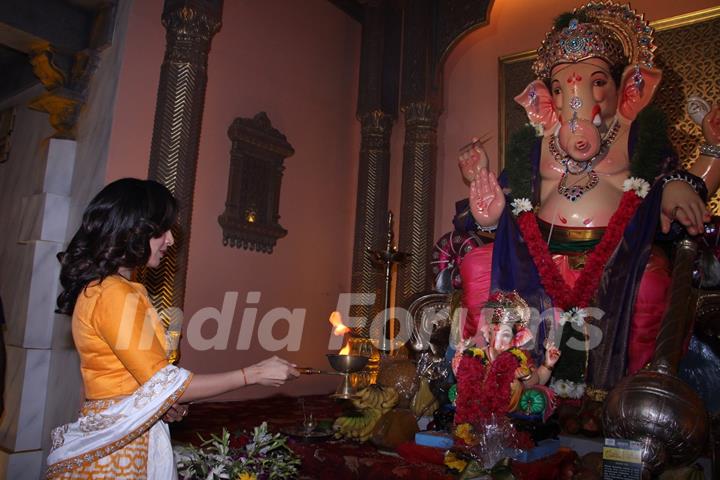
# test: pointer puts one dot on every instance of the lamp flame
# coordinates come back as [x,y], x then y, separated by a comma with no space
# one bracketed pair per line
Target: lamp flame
[345,350]
[339,328]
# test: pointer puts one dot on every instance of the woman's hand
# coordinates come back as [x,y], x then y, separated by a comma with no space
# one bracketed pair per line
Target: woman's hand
[487,200]
[175,413]
[272,372]
[680,202]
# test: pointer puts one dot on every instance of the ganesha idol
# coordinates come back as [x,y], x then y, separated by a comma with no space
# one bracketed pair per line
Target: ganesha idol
[586,191]
[496,375]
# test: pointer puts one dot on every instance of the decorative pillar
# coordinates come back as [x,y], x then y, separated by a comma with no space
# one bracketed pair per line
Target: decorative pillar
[420,104]
[417,208]
[371,216]
[190,26]
[377,108]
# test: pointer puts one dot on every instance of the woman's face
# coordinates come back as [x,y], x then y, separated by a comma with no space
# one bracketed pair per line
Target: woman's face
[158,247]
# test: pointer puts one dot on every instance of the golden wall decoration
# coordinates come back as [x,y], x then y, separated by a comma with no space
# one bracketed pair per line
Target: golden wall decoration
[690,59]
[688,54]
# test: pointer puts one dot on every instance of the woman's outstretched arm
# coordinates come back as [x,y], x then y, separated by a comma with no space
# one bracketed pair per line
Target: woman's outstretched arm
[272,372]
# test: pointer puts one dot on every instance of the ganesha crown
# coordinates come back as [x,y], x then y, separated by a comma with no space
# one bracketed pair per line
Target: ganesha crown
[609,31]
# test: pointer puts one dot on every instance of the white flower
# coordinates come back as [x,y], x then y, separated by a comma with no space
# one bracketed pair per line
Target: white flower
[576,390]
[521,205]
[640,186]
[560,387]
[575,315]
[567,389]
[539,129]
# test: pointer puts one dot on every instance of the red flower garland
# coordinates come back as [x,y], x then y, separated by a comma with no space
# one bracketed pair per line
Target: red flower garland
[483,388]
[587,283]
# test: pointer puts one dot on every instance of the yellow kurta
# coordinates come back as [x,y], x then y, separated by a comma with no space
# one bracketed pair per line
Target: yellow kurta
[121,345]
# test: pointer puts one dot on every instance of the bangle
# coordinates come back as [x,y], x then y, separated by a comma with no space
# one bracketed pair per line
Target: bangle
[525,377]
[710,150]
[547,366]
[696,183]
[244,377]
[489,229]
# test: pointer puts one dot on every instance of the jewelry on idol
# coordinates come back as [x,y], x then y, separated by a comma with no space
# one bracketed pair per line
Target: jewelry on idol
[574,167]
[710,150]
[574,191]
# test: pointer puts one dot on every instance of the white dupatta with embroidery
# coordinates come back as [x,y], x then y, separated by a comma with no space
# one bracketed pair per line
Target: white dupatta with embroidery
[96,435]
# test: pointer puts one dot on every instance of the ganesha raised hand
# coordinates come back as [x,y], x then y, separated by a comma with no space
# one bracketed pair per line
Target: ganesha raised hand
[487,199]
[472,159]
[552,355]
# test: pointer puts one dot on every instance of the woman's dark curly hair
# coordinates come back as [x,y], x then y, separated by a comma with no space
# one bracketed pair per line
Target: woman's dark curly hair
[116,230]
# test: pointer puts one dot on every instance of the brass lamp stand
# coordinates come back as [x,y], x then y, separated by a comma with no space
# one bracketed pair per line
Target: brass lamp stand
[387,258]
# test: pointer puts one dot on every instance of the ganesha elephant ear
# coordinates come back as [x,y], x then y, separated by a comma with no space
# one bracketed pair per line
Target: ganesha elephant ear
[638,89]
[537,102]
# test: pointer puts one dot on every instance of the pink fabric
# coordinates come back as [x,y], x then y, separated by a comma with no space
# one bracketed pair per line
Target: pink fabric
[649,308]
[567,272]
[650,305]
[475,270]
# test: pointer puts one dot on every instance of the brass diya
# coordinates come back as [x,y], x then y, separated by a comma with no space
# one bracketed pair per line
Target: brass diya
[345,365]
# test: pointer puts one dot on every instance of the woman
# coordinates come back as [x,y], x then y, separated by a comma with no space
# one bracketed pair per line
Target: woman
[129,384]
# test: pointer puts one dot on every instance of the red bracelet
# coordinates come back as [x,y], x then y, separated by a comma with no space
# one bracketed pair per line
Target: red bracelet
[244,377]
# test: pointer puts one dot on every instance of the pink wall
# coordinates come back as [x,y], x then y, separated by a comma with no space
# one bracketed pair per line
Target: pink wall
[300,65]
[471,81]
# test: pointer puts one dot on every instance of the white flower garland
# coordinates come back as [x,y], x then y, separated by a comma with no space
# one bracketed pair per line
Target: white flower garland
[638,185]
[575,315]
[521,205]
[567,389]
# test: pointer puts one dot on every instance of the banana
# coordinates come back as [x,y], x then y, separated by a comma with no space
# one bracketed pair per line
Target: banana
[340,423]
[424,402]
[373,397]
[355,423]
[369,427]
[372,403]
[360,400]
[362,427]
[390,399]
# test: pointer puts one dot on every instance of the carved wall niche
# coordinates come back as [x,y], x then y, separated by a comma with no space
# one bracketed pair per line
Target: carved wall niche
[250,219]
